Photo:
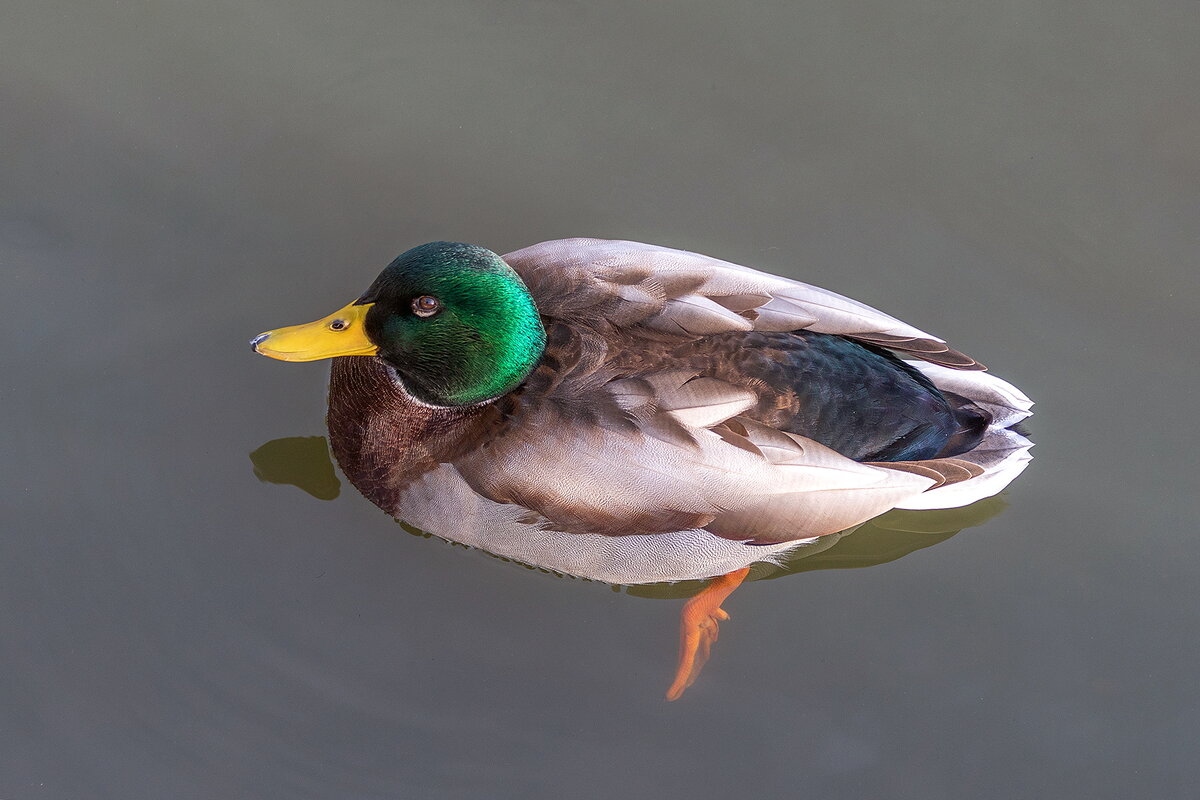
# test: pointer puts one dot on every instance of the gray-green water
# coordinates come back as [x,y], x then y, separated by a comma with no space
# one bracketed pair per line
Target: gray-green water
[1021,178]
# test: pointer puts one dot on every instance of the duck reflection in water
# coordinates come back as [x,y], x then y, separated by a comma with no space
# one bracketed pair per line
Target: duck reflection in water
[635,414]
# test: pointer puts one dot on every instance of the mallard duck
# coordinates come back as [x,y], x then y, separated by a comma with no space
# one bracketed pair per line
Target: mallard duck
[634,413]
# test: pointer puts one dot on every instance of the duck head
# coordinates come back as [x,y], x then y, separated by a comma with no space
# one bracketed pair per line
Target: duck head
[456,323]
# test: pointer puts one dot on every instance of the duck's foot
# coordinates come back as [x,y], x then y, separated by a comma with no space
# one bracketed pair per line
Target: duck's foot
[698,628]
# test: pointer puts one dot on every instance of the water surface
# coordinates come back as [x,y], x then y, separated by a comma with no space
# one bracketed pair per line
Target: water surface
[1021,179]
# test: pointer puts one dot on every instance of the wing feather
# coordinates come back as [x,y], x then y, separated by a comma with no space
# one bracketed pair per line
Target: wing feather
[653,288]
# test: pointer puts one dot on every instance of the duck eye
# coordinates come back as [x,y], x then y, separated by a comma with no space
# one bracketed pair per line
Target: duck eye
[339,325]
[426,305]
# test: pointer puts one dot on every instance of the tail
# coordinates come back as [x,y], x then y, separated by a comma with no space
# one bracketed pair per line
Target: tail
[988,411]
[973,423]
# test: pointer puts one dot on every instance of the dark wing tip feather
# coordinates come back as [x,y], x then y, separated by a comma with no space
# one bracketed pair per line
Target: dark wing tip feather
[942,470]
[930,350]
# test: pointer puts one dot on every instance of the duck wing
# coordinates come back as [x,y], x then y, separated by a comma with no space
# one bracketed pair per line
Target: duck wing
[667,451]
[676,293]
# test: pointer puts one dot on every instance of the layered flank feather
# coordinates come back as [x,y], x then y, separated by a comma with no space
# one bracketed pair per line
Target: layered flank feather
[686,461]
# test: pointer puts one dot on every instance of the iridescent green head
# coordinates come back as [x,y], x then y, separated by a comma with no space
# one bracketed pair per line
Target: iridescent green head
[456,323]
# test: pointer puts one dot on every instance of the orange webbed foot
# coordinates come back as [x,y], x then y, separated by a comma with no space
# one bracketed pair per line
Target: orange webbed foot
[699,626]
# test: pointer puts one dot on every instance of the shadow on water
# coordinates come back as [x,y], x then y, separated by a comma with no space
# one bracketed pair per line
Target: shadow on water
[301,461]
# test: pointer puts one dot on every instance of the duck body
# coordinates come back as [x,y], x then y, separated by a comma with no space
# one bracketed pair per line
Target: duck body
[683,417]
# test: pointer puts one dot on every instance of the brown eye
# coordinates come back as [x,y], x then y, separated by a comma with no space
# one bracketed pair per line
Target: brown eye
[426,306]
[339,325]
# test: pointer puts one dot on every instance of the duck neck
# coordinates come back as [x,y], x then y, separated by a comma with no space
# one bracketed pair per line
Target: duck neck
[383,438]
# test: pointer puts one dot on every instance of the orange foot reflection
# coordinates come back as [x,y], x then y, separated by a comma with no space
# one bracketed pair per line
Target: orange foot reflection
[698,628]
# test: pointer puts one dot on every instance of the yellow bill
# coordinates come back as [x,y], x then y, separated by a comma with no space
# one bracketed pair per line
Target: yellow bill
[342,333]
